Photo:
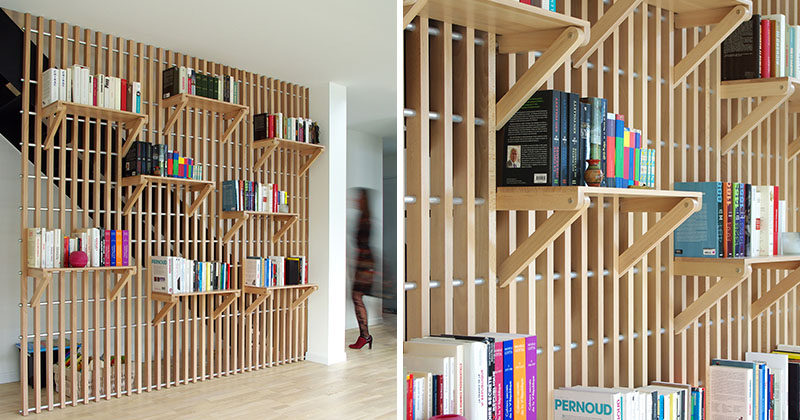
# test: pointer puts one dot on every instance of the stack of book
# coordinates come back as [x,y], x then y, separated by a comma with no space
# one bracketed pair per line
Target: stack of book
[270,126]
[177,80]
[145,158]
[275,271]
[181,275]
[544,4]
[763,47]
[737,220]
[660,400]
[549,140]
[103,248]
[486,376]
[238,195]
[75,84]
[757,388]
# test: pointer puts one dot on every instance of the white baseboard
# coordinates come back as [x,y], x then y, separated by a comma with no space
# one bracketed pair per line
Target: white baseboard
[326,359]
[8,377]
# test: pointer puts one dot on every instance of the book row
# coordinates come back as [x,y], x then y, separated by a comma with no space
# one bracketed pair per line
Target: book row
[239,195]
[736,220]
[180,275]
[47,248]
[176,80]
[552,137]
[275,271]
[485,376]
[658,401]
[544,4]
[270,126]
[145,158]
[763,47]
[76,84]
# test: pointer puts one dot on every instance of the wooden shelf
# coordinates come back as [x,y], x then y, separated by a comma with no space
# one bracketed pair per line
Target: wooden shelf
[56,114]
[142,181]
[44,275]
[732,272]
[569,203]
[228,111]
[242,216]
[170,300]
[265,292]
[521,28]
[310,151]
[776,91]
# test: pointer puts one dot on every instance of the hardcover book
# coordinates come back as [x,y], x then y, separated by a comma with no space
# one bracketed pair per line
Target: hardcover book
[531,140]
[699,235]
[575,168]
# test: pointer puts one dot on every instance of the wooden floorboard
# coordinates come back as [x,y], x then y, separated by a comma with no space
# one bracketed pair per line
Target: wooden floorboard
[361,388]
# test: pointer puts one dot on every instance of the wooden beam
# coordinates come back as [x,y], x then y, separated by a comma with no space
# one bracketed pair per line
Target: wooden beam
[754,88]
[776,292]
[705,17]
[311,158]
[41,283]
[133,133]
[708,299]
[300,299]
[265,155]
[752,120]
[235,123]
[283,229]
[222,306]
[199,200]
[53,124]
[114,292]
[258,301]
[527,41]
[794,148]
[604,27]
[647,204]
[134,197]
[540,199]
[569,40]
[238,224]
[710,42]
[173,117]
[537,242]
[164,311]
[411,9]
[657,233]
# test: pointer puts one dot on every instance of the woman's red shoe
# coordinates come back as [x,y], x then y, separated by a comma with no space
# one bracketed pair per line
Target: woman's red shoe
[361,342]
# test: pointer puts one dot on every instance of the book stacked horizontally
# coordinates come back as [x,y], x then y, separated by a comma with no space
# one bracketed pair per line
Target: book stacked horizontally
[275,271]
[486,376]
[763,47]
[544,4]
[103,248]
[551,137]
[145,158]
[239,195]
[76,84]
[756,388]
[176,80]
[660,400]
[737,220]
[181,275]
[270,126]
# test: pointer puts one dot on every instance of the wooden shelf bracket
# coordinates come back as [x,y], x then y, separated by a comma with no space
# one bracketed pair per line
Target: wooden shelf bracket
[560,50]
[303,296]
[43,277]
[236,226]
[735,16]
[794,149]
[537,242]
[604,26]
[114,292]
[776,292]
[238,116]
[54,122]
[730,276]
[131,201]
[174,114]
[311,158]
[283,229]
[265,155]
[754,118]
[199,199]
[134,132]
[411,9]
[224,305]
[258,301]
[164,311]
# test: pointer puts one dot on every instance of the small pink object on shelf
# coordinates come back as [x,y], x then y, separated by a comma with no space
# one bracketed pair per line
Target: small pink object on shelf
[448,417]
[78,259]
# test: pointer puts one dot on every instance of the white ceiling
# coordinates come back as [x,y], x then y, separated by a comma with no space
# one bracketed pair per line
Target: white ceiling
[351,42]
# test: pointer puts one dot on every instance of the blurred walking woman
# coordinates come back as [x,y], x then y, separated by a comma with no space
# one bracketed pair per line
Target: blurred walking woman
[364,268]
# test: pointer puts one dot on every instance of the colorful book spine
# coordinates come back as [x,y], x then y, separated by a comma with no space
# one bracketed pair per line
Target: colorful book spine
[530,372]
[125,247]
[611,140]
[766,48]
[498,380]
[519,379]
[508,380]
[619,152]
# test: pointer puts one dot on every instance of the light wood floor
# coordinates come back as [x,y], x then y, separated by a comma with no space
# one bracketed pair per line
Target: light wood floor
[361,388]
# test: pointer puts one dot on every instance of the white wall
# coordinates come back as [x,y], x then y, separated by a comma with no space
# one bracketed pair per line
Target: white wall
[365,169]
[9,260]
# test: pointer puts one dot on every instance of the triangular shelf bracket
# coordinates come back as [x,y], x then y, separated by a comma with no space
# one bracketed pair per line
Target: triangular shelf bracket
[730,276]
[776,292]
[753,119]
[300,299]
[604,27]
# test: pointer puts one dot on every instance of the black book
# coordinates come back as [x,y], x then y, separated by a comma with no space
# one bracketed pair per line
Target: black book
[292,271]
[132,162]
[260,126]
[575,171]
[530,142]
[226,93]
[603,133]
[741,52]
[489,342]
[794,390]
[563,168]
[147,161]
[585,117]
[170,82]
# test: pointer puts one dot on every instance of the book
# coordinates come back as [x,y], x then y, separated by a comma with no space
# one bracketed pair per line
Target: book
[730,390]
[50,86]
[480,371]
[610,150]
[779,366]
[564,129]
[530,143]
[740,54]
[439,358]
[777,44]
[572,404]
[766,48]
[700,234]
[751,394]
[575,168]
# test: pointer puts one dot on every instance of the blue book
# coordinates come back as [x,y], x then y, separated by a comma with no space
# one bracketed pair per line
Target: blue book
[552,5]
[701,234]
[745,365]
[229,192]
[660,407]
[508,380]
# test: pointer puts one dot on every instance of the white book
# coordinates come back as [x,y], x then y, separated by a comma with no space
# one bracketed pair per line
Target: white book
[436,365]
[755,222]
[729,392]
[92,98]
[183,81]
[476,373]
[779,63]
[48,261]
[58,249]
[107,91]
[796,56]
[790,71]
[68,96]
[771,221]
[50,86]
[62,84]
[161,273]
[117,93]
[599,404]
[765,215]
[137,97]
[433,348]
[782,216]
[101,90]
[87,85]
[34,238]
[779,365]
[96,233]
[77,95]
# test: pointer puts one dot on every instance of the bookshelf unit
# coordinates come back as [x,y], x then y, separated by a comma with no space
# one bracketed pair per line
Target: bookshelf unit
[601,319]
[111,311]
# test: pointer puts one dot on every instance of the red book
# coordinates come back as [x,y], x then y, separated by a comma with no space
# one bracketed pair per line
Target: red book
[123,92]
[94,91]
[274,197]
[766,49]
[440,394]
[775,222]
[271,126]
[727,201]
[65,261]
[107,246]
[409,397]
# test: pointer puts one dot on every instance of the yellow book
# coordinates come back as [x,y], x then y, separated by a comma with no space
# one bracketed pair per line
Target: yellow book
[792,356]
[520,396]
